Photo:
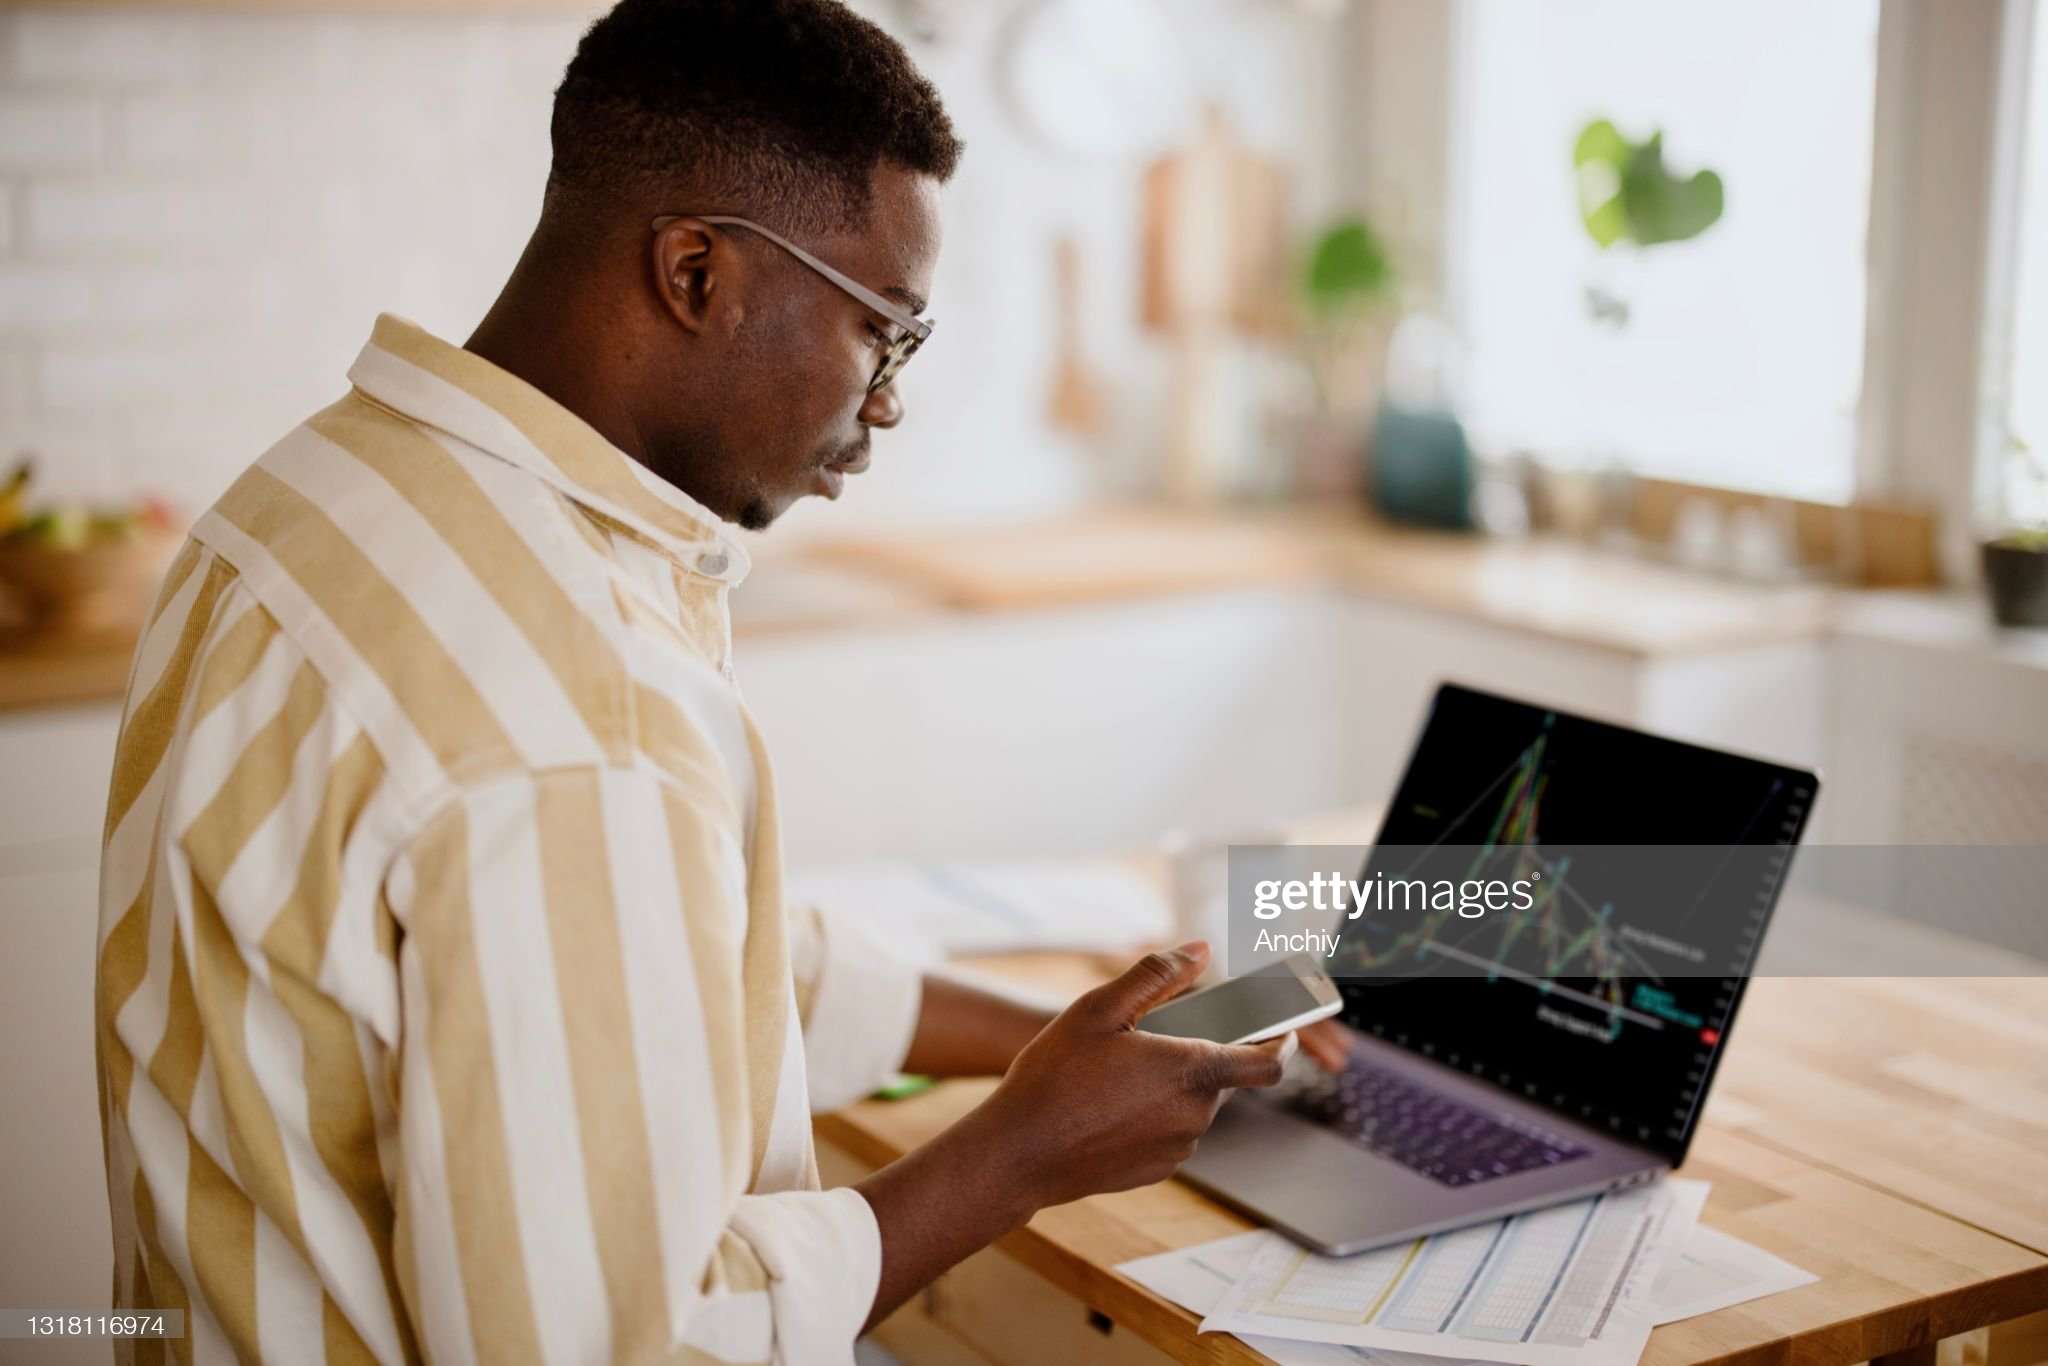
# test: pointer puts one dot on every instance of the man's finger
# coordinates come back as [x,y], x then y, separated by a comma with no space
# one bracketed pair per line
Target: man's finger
[1152,980]
[1329,1043]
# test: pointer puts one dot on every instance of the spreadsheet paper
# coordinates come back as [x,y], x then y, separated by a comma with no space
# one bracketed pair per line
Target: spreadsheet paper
[1566,1286]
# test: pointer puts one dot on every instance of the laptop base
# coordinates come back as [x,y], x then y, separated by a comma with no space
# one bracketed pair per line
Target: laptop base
[1333,1196]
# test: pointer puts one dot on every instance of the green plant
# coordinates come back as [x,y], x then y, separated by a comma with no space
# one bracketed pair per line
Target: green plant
[1347,284]
[1628,194]
[1348,272]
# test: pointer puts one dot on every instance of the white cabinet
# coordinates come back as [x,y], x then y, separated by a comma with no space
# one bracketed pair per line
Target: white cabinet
[1938,727]
[1055,732]
[1762,700]
[1768,700]
[1090,729]
[1396,656]
[54,766]
[53,1193]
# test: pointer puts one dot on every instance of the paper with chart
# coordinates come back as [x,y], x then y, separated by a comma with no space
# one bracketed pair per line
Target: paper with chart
[1565,1286]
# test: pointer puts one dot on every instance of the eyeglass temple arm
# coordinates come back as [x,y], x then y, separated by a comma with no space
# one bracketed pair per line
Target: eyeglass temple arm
[888,309]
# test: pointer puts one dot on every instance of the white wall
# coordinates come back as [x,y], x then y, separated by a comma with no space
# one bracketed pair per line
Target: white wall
[206,210]
[200,213]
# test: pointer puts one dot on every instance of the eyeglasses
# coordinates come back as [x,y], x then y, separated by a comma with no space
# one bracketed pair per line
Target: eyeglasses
[900,348]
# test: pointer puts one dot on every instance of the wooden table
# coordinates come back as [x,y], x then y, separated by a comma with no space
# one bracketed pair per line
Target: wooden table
[1934,1090]
[1890,1136]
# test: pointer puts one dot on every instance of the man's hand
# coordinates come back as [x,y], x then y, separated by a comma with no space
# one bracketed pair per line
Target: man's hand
[1091,1104]
[1097,1104]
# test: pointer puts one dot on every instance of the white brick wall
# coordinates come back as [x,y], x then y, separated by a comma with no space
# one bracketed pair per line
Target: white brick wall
[37,299]
[50,132]
[136,48]
[202,212]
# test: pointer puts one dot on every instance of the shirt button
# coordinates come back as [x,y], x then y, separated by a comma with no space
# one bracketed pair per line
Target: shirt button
[713,563]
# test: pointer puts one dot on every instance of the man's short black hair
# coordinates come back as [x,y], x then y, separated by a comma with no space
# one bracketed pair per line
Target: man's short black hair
[777,109]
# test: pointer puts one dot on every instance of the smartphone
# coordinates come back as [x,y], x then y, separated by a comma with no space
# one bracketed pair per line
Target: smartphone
[1259,1005]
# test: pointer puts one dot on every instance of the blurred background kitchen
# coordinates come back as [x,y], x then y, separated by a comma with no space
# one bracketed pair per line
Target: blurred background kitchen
[1681,364]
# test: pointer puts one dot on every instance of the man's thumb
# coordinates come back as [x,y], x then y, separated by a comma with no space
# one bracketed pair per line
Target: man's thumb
[1151,981]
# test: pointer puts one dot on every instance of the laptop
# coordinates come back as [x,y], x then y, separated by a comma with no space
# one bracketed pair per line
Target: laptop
[1506,1063]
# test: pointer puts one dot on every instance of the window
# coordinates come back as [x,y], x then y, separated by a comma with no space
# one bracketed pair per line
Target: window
[2024,482]
[1741,355]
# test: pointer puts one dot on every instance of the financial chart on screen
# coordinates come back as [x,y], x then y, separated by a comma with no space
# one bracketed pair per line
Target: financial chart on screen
[1650,870]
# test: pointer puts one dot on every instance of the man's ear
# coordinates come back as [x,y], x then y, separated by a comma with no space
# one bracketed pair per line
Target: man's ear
[691,261]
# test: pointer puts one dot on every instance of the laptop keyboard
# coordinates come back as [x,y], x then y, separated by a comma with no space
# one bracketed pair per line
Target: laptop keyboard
[1425,1130]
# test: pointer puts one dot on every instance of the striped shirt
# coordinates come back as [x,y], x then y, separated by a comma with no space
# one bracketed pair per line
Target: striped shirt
[447,1005]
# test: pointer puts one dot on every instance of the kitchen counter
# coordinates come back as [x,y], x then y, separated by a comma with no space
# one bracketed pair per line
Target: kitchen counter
[787,594]
[58,670]
[1558,590]
[1955,625]
[1554,590]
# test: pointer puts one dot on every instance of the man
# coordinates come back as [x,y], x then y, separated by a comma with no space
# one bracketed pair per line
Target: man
[448,1007]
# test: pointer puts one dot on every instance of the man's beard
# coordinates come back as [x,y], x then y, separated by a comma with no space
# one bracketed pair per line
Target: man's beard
[755,514]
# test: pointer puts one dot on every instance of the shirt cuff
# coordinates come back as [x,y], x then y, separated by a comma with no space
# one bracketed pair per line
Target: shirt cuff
[823,1254]
[863,1015]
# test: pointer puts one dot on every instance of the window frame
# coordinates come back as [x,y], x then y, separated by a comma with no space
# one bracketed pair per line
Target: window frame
[1941,244]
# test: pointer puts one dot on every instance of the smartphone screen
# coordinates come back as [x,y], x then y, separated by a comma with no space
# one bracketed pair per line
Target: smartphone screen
[1293,990]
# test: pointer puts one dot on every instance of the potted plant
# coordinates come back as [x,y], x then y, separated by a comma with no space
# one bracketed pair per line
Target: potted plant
[1347,288]
[1346,284]
[2016,563]
[1631,203]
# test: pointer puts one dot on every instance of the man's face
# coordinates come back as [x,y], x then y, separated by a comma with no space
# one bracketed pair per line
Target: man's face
[786,410]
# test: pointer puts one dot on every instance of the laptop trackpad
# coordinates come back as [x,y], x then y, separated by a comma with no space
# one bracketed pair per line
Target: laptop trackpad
[1328,1192]
[1264,1159]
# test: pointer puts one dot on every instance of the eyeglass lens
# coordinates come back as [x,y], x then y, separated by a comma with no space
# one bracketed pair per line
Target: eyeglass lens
[893,360]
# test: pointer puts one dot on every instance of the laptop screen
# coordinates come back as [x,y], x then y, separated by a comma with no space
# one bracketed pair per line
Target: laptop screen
[1677,915]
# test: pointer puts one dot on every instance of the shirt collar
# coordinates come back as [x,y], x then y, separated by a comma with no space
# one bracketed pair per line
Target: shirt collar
[419,376]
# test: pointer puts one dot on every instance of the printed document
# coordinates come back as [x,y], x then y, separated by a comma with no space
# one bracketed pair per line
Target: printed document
[1199,1277]
[1713,1272]
[1565,1286]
